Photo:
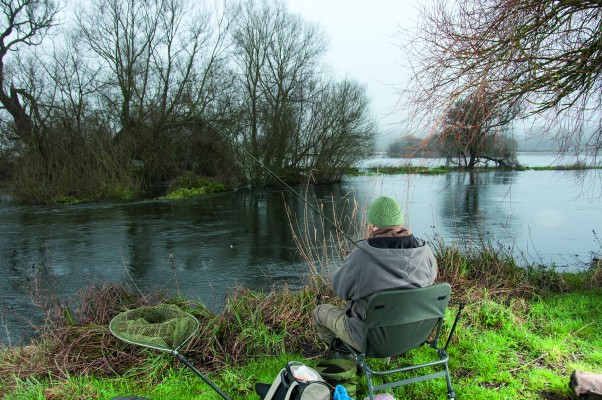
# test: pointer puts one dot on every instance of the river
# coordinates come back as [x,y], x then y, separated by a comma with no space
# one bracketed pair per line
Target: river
[205,246]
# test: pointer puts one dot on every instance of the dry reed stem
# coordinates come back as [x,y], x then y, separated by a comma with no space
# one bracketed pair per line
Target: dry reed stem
[224,339]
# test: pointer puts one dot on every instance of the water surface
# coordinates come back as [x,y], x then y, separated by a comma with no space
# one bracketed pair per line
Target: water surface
[206,246]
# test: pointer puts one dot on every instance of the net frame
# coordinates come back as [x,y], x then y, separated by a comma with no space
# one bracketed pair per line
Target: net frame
[135,327]
[154,315]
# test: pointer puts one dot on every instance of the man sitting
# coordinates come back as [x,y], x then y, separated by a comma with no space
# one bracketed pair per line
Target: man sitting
[391,258]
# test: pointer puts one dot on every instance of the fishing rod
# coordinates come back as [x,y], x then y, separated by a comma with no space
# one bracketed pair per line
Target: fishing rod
[279,180]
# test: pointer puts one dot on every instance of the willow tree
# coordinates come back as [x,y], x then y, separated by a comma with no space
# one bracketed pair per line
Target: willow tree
[475,130]
[544,54]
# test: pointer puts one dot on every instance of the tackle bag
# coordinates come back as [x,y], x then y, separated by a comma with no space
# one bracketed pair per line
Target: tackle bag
[296,381]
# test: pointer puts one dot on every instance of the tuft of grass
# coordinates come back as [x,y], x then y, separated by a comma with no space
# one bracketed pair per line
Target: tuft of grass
[65,200]
[185,193]
[113,191]
[257,324]
[482,269]
[189,186]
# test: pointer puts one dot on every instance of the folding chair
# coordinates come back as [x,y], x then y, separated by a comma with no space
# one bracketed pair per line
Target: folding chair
[398,321]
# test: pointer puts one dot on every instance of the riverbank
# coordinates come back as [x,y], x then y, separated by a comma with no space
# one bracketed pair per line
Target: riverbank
[521,334]
[412,167]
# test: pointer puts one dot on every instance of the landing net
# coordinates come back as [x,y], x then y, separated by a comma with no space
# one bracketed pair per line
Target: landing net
[164,327]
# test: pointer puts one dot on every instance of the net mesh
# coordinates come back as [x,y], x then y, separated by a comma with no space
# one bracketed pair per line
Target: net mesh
[163,327]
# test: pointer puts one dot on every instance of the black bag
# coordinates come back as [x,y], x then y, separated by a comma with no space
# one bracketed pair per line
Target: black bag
[296,381]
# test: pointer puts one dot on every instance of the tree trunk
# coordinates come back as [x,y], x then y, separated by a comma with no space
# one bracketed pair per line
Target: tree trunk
[24,125]
[473,160]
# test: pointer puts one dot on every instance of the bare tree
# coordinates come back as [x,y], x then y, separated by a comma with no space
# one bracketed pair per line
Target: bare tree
[161,65]
[545,54]
[296,118]
[276,54]
[74,89]
[344,129]
[474,130]
[24,23]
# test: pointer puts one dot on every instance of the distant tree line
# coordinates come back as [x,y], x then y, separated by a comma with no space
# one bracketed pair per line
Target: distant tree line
[127,95]
[410,146]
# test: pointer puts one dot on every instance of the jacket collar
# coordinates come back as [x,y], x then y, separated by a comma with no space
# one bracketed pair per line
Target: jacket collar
[390,231]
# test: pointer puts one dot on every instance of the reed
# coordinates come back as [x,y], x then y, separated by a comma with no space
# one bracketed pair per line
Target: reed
[321,245]
[75,339]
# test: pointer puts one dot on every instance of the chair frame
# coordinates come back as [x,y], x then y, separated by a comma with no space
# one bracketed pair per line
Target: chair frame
[361,357]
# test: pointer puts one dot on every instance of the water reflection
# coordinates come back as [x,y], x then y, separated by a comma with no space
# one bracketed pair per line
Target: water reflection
[472,206]
[537,215]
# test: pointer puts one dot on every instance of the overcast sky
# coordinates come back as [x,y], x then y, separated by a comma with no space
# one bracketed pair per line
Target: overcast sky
[363,40]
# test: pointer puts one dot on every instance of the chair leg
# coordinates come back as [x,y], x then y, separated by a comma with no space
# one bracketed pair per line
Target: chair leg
[450,391]
[369,382]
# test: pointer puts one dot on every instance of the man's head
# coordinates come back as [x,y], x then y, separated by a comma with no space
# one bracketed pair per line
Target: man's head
[384,212]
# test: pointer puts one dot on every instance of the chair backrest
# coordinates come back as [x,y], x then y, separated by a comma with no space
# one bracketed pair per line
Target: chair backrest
[401,320]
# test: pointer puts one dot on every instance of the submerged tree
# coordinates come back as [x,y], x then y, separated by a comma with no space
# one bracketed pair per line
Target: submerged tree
[545,54]
[474,130]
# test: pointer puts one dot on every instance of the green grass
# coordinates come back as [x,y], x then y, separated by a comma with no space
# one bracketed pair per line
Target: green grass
[439,170]
[409,169]
[189,186]
[570,167]
[514,352]
[521,349]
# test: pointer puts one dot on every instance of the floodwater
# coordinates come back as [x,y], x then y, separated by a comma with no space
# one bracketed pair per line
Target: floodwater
[204,247]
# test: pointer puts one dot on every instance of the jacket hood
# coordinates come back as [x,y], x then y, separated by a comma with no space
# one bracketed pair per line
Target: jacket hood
[370,269]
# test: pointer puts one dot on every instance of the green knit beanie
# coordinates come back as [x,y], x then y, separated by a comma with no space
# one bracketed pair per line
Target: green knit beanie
[385,211]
